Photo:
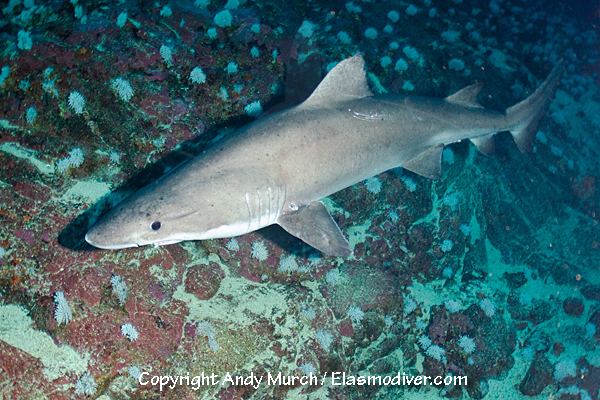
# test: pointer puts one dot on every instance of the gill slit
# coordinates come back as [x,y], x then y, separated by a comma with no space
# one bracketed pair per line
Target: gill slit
[284,197]
[259,197]
[249,211]
[269,210]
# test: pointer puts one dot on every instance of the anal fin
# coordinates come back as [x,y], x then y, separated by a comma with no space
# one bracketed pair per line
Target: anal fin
[427,163]
[313,225]
[485,144]
[523,135]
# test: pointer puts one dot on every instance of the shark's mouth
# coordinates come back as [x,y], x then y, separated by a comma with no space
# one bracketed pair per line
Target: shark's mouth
[167,242]
[112,246]
[118,246]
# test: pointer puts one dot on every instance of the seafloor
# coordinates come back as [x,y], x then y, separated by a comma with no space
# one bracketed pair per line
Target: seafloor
[492,271]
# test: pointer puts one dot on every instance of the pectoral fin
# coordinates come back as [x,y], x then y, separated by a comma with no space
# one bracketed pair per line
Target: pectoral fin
[428,163]
[313,224]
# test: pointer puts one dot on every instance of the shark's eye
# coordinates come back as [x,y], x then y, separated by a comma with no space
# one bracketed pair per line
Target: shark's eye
[155,225]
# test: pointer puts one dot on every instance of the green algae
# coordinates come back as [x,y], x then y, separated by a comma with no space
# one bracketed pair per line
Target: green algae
[5,124]
[88,190]
[436,205]
[16,329]
[358,233]
[249,301]
[235,311]
[359,285]
[165,277]
[474,229]
[29,155]
[333,207]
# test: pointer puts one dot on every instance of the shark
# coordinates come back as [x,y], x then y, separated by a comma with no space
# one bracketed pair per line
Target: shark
[278,168]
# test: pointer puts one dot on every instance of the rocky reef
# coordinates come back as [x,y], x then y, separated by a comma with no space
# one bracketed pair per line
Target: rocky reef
[492,271]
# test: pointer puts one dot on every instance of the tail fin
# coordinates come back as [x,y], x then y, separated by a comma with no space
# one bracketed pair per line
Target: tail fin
[525,115]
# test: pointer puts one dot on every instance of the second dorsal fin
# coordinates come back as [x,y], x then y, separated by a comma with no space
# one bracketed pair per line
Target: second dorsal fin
[467,96]
[345,81]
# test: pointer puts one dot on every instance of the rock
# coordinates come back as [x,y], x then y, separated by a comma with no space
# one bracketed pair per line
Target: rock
[590,381]
[536,312]
[595,319]
[538,376]
[591,292]
[497,341]
[573,306]
[346,328]
[515,280]
[557,348]
[203,281]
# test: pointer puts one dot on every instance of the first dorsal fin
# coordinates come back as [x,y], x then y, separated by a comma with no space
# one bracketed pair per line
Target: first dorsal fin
[467,96]
[346,80]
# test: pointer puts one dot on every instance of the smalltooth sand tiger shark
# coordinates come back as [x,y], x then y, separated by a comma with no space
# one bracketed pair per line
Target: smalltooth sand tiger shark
[276,169]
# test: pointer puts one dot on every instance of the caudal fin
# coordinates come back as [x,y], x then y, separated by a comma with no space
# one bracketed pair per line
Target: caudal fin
[525,115]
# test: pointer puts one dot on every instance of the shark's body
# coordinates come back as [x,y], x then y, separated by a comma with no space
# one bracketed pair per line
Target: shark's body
[276,169]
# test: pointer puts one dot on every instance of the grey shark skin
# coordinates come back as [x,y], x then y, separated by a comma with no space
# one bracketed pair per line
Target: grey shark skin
[277,168]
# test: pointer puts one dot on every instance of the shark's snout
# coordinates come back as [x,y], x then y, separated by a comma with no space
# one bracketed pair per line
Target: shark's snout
[96,239]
